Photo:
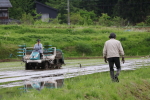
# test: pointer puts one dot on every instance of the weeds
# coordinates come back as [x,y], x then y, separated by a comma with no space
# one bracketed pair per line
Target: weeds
[68,37]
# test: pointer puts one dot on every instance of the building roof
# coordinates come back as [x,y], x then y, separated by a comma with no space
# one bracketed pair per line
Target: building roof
[45,5]
[5,3]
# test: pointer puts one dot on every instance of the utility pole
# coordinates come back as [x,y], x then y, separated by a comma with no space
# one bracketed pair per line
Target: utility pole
[68,9]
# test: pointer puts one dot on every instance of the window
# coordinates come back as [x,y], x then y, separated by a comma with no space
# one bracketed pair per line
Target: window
[3,14]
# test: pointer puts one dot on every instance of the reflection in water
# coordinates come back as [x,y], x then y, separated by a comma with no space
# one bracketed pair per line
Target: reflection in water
[39,84]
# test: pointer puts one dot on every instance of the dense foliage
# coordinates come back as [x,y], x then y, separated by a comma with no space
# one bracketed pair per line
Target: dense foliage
[132,11]
[73,40]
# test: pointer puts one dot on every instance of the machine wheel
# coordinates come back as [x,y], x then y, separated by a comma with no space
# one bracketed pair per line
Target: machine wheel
[27,66]
[33,66]
[52,66]
[58,66]
[46,65]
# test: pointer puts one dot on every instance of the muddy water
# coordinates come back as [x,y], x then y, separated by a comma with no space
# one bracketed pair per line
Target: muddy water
[22,75]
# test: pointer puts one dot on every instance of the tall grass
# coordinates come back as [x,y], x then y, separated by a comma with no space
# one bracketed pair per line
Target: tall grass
[133,85]
[135,42]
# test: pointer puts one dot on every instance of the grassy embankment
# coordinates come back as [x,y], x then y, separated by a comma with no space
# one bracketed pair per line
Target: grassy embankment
[133,85]
[75,41]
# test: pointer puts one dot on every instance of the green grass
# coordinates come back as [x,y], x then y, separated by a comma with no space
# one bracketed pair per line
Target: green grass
[133,85]
[10,66]
[68,38]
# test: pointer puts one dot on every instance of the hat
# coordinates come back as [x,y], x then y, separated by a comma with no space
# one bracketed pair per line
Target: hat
[38,39]
[112,35]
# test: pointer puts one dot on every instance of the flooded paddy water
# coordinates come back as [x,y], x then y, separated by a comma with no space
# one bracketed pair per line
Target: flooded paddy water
[14,74]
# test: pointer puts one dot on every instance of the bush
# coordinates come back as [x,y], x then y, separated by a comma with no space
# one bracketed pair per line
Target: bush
[54,21]
[104,20]
[83,48]
[88,30]
[83,17]
[123,39]
[27,19]
[75,18]
[147,21]
[117,21]
[148,39]
[140,24]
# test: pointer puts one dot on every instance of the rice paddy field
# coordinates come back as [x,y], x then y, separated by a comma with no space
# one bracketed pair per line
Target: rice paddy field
[79,41]
[133,85]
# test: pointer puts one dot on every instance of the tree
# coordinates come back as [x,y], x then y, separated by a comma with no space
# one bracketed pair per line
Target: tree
[61,6]
[133,10]
[20,7]
[147,21]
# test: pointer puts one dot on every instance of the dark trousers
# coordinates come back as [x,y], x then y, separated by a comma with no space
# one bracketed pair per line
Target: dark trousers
[112,61]
[116,61]
[41,55]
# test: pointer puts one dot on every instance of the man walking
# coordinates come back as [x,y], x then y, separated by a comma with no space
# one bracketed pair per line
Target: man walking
[112,51]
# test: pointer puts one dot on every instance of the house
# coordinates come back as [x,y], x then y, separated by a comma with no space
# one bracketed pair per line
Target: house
[4,14]
[45,11]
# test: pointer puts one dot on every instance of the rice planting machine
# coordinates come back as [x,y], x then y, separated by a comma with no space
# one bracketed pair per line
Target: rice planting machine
[52,58]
